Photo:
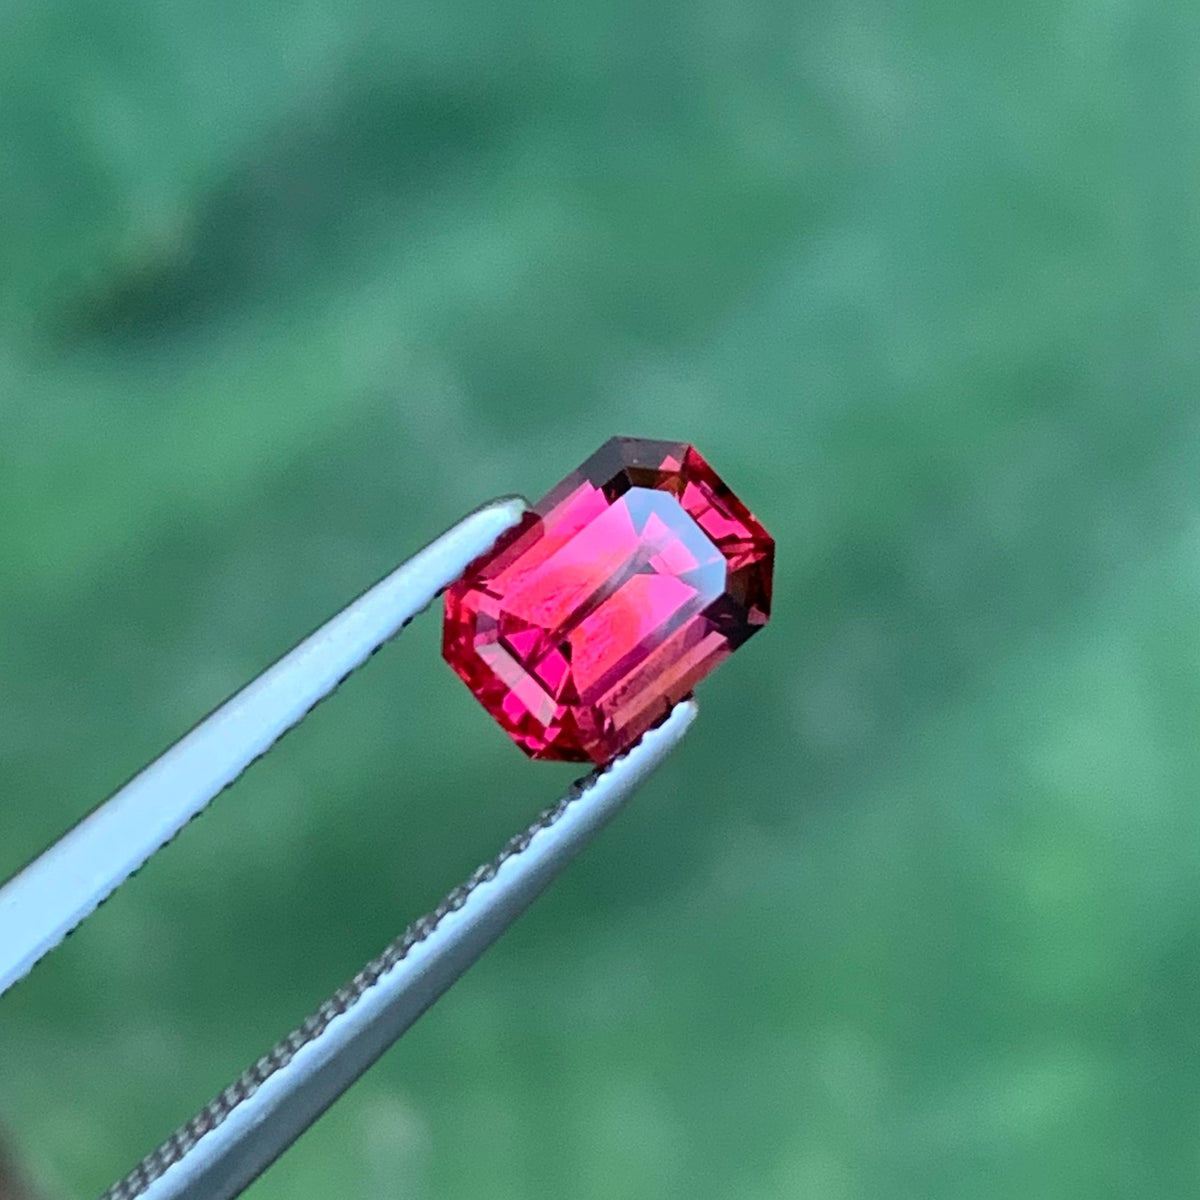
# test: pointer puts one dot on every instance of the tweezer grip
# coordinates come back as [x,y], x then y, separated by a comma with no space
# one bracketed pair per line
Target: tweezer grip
[232,1141]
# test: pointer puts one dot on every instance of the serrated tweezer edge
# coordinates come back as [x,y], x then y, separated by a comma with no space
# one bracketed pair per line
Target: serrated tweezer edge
[234,1139]
[63,886]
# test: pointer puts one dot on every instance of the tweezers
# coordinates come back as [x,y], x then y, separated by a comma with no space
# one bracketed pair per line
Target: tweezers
[232,1140]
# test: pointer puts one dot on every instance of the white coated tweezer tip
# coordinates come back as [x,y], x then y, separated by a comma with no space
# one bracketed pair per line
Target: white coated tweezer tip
[230,1142]
[58,890]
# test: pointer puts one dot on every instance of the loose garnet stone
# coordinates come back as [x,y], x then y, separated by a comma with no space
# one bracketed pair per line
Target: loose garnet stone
[616,593]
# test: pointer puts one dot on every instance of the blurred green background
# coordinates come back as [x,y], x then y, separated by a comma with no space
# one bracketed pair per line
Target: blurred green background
[285,288]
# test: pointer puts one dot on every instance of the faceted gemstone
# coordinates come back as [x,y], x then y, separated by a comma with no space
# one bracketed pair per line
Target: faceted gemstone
[618,591]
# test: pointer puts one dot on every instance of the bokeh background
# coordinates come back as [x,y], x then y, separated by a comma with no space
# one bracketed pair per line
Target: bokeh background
[287,287]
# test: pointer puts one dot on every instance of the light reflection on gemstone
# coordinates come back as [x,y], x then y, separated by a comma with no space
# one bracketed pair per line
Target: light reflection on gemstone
[622,588]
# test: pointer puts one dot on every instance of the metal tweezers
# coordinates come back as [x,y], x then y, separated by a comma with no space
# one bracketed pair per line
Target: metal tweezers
[231,1141]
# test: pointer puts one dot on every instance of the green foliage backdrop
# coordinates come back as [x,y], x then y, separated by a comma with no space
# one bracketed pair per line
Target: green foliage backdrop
[286,287]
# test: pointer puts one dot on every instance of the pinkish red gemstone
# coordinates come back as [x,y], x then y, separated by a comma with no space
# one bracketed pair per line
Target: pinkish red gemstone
[617,593]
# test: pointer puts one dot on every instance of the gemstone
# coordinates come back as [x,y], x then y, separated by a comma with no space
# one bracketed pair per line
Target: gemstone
[617,592]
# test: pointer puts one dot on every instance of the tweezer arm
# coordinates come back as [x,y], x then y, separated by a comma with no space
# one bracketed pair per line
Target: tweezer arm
[52,895]
[228,1144]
